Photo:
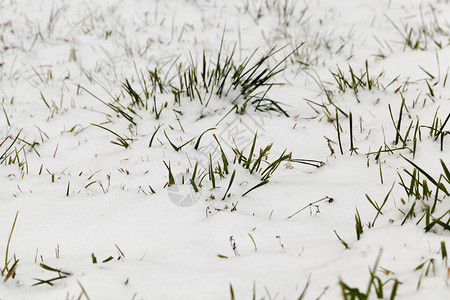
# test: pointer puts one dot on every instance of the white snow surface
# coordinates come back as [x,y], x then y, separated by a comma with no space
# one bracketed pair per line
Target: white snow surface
[79,196]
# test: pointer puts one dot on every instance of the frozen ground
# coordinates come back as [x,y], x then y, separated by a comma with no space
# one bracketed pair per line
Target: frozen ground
[360,89]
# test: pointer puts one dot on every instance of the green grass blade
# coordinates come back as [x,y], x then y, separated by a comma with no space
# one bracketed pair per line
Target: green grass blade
[229,185]
[256,186]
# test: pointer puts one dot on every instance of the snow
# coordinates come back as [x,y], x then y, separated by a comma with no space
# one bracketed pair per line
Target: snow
[78,196]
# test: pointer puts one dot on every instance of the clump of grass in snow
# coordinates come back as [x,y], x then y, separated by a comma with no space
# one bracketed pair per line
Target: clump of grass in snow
[11,155]
[408,137]
[430,266]
[255,162]
[285,11]
[343,82]
[422,36]
[5,153]
[241,85]
[422,194]
[437,129]
[375,285]
[427,268]
[357,83]
[220,78]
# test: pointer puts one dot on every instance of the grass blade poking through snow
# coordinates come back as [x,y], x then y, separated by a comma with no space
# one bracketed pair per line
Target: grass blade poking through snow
[338,129]
[446,171]
[341,240]
[232,292]
[254,165]
[352,148]
[274,165]
[122,141]
[5,153]
[399,122]
[378,207]
[177,148]
[255,187]
[375,282]
[358,225]
[7,271]
[153,135]
[253,241]
[215,77]
[197,144]
[171,178]
[61,275]
[444,252]
[229,185]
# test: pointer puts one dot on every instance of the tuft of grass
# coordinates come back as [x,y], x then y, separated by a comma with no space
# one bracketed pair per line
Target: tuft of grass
[429,266]
[423,194]
[254,162]
[6,156]
[351,81]
[439,185]
[437,129]
[420,37]
[242,84]
[375,284]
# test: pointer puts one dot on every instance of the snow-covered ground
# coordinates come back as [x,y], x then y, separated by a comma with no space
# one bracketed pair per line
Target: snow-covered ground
[130,149]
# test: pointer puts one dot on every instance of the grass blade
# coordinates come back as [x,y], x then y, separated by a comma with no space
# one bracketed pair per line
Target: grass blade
[256,186]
